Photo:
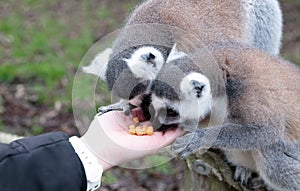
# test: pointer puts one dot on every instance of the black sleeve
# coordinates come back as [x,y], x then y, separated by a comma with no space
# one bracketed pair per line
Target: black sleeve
[46,162]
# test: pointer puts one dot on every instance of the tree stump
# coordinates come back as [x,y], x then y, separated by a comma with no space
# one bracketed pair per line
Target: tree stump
[209,172]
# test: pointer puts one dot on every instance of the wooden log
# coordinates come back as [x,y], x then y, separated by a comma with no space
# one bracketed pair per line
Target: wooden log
[209,172]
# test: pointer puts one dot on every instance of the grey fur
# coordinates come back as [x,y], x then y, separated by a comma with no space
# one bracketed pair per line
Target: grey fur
[122,82]
[260,21]
[264,20]
[256,23]
[256,136]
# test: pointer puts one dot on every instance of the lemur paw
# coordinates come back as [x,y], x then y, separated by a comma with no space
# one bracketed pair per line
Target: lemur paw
[186,145]
[126,107]
[105,109]
[242,175]
[247,178]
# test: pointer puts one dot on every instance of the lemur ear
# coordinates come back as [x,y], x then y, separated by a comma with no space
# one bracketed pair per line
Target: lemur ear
[175,54]
[99,65]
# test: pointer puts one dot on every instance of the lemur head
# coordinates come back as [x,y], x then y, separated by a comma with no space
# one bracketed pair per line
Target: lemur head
[145,62]
[130,71]
[193,102]
[180,93]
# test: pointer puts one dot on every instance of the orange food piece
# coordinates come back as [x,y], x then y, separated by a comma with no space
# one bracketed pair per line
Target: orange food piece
[144,129]
[149,130]
[140,130]
[136,120]
[132,130]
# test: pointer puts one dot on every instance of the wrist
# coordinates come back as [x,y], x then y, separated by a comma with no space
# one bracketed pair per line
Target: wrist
[93,169]
[105,165]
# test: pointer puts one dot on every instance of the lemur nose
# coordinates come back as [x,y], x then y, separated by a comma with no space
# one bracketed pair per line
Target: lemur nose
[148,57]
[198,87]
[151,56]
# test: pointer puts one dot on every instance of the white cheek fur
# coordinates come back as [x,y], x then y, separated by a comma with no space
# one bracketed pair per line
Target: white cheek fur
[191,106]
[142,69]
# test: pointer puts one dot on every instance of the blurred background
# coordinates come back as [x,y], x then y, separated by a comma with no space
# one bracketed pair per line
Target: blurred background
[41,46]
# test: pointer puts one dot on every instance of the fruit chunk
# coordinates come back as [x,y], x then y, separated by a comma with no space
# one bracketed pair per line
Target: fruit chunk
[132,130]
[149,130]
[140,130]
[136,120]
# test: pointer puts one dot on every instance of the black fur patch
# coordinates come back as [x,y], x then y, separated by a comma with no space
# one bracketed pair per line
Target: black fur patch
[146,101]
[234,88]
[163,89]
[120,79]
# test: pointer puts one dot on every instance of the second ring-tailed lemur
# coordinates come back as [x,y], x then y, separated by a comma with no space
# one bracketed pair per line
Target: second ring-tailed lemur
[262,128]
[254,22]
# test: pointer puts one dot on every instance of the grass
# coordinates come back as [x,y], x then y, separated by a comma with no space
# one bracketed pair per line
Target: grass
[43,48]
[43,42]
[36,130]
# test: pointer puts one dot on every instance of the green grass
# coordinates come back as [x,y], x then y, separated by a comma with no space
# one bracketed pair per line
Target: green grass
[160,164]
[108,178]
[43,47]
[43,42]
[36,130]
[2,127]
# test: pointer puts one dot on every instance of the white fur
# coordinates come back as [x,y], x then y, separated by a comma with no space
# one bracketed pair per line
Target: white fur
[175,54]
[191,106]
[142,69]
[99,65]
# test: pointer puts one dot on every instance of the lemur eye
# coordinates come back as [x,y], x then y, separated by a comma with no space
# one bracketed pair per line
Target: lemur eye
[171,112]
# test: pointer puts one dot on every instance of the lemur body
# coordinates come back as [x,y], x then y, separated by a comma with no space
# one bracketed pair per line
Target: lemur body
[254,22]
[262,131]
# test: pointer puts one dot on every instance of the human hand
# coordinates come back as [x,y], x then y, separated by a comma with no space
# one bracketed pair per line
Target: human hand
[108,138]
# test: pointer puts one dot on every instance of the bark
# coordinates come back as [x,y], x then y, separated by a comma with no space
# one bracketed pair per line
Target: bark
[217,177]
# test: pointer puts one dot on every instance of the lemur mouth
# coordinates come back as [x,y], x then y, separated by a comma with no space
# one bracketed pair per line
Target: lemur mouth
[149,115]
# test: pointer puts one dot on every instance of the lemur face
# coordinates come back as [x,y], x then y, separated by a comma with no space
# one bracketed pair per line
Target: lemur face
[130,71]
[192,103]
[145,62]
[196,101]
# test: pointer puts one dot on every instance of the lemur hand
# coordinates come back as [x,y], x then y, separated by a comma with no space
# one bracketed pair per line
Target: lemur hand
[192,142]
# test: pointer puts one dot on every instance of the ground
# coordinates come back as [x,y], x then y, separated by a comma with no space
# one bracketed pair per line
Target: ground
[41,45]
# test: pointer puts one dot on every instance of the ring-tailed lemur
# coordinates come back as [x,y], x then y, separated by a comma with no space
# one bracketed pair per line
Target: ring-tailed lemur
[262,130]
[129,73]
[254,22]
[179,95]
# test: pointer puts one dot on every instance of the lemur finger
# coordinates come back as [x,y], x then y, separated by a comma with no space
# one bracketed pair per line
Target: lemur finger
[242,175]
[105,109]
[182,144]
[186,153]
